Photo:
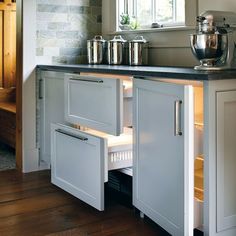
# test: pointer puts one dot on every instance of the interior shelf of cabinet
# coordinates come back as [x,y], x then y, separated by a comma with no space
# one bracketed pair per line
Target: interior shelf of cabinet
[198,139]
[113,141]
[120,154]
[198,178]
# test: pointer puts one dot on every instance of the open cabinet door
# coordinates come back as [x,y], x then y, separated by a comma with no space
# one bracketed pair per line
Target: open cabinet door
[163,154]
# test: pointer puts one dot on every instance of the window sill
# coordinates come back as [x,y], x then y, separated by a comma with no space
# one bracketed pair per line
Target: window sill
[153,30]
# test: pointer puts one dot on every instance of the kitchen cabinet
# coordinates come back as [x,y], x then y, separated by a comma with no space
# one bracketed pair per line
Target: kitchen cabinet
[226,188]
[220,161]
[74,115]
[163,161]
[184,146]
[164,155]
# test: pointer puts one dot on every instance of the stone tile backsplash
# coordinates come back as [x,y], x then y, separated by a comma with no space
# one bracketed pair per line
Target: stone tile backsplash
[63,27]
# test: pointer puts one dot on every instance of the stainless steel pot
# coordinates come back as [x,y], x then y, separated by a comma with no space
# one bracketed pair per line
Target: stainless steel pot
[96,50]
[138,51]
[116,48]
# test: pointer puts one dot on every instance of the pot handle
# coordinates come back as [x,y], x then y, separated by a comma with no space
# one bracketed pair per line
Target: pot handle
[118,37]
[140,38]
[98,37]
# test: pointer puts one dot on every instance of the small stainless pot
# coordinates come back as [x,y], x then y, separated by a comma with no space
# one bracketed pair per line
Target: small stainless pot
[96,50]
[116,48]
[138,51]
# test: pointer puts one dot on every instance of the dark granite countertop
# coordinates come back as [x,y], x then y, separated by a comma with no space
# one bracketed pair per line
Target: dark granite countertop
[146,71]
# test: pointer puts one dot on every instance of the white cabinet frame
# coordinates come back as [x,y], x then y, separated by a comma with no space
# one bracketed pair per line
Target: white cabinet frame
[154,171]
[215,221]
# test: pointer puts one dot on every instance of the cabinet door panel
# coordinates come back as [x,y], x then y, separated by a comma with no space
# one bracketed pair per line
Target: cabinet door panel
[78,164]
[226,161]
[94,102]
[51,107]
[163,161]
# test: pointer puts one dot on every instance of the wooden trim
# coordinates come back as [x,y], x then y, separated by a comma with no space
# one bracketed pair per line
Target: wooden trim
[9,49]
[1,49]
[8,5]
[19,79]
[8,95]
[7,44]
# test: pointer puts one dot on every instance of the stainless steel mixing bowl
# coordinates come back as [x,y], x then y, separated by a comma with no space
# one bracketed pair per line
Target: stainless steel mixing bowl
[209,48]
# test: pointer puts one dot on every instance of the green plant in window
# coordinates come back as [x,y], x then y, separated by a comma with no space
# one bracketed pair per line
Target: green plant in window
[134,24]
[125,19]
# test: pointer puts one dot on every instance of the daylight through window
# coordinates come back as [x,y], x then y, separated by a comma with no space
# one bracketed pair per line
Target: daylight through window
[142,13]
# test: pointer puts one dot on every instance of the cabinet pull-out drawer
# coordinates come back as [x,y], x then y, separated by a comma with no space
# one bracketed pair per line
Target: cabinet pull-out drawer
[119,149]
[94,102]
[78,164]
[81,160]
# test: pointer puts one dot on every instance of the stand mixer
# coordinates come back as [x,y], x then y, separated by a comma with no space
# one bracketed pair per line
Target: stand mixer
[213,43]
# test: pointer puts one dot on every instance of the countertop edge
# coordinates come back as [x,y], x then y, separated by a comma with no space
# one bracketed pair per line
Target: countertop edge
[184,73]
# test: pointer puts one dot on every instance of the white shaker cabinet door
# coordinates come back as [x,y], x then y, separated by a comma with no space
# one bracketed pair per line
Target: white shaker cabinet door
[163,154]
[226,162]
[78,164]
[51,109]
[94,102]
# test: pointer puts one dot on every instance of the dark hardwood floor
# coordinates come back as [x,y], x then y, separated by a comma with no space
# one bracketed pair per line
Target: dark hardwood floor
[31,205]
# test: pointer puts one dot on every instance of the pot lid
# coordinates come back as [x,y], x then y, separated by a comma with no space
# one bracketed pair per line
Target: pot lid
[139,39]
[97,38]
[118,38]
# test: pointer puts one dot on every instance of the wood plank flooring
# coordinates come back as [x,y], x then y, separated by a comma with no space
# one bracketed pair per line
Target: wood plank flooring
[30,205]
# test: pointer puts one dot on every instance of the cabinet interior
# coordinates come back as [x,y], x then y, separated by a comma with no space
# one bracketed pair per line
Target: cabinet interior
[119,147]
[198,146]
[119,154]
[199,158]
[198,136]
[116,143]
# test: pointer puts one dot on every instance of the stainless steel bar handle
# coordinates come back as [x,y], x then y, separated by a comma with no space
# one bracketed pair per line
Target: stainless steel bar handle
[88,80]
[72,135]
[178,131]
[40,89]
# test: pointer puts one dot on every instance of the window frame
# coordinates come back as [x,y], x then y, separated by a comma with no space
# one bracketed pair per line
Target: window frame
[191,12]
[123,8]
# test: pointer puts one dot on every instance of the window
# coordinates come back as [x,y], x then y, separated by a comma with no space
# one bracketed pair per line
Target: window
[163,12]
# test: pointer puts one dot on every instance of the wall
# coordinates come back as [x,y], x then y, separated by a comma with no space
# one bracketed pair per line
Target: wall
[63,26]
[62,29]
[219,5]
[170,47]
[29,150]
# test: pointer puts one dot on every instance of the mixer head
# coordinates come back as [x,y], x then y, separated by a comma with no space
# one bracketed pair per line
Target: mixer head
[213,44]
[214,21]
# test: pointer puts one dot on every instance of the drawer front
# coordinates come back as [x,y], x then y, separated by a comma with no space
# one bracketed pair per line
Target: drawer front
[78,164]
[94,102]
